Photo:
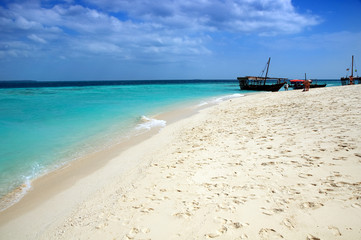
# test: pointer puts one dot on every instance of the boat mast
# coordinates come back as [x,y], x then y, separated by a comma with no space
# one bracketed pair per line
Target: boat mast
[352,67]
[305,77]
[264,82]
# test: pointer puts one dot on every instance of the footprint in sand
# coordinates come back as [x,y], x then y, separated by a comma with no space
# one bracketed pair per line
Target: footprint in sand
[147,210]
[356,205]
[269,233]
[237,225]
[311,205]
[311,237]
[212,235]
[267,212]
[243,236]
[183,214]
[304,175]
[218,233]
[335,231]
[132,233]
[288,223]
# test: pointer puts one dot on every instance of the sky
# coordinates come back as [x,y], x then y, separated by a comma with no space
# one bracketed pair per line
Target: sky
[177,39]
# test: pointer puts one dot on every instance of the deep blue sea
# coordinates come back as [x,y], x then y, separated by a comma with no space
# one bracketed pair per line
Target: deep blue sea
[44,125]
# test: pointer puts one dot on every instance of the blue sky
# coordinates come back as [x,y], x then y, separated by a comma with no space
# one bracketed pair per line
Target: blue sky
[170,39]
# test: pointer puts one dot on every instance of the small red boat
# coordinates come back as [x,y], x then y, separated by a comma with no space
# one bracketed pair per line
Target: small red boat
[298,83]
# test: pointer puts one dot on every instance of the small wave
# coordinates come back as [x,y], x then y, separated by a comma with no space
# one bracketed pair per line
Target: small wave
[149,123]
[224,98]
[16,195]
[202,104]
[19,192]
[220,99]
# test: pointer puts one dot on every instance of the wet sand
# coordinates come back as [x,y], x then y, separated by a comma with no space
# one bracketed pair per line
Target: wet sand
[280,165]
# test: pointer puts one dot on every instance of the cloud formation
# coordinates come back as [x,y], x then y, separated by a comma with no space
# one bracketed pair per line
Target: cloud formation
[138,29]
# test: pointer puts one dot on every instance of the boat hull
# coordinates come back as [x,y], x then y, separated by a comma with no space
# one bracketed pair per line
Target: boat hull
[273,88]
[346,80]
[259,83]
[254,83]
[300,86]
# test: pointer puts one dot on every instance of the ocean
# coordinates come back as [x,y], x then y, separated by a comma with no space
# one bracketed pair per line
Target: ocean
[45,125]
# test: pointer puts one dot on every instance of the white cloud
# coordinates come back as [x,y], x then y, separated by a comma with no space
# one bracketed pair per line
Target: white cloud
[144,28]
[99,47]
[23,23]
[276,16]
[36,38]
[14,49]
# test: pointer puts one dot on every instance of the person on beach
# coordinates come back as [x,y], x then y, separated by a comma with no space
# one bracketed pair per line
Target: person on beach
[286,87]
[351,80]
[306,85]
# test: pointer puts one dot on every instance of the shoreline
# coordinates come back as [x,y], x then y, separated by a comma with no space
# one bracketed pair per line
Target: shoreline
[96,158]
[56,148]
[282,165]
[42,188]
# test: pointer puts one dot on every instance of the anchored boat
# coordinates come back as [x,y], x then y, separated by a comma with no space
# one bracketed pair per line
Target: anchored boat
[351,79]
[298,83]
[261,83]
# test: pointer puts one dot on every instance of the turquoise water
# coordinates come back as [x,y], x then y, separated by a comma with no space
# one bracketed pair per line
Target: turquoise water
[43,128]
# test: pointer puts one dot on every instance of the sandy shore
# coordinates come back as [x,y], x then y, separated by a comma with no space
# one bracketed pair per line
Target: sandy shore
[280,165]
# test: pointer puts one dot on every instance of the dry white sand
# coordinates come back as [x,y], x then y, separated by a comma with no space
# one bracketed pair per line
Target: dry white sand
[283,165]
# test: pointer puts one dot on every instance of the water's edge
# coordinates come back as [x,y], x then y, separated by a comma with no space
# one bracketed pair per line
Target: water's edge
[65,175]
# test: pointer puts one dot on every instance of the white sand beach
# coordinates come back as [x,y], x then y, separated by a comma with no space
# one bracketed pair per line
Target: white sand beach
[283,165]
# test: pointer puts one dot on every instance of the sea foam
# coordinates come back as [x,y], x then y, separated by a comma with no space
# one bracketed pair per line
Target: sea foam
[149,123]
[220,99]
[227,97]
[16,195]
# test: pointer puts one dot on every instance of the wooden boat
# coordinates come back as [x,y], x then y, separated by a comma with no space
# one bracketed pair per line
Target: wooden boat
[316,85]
[260,83]
[298,83]
[351,79]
